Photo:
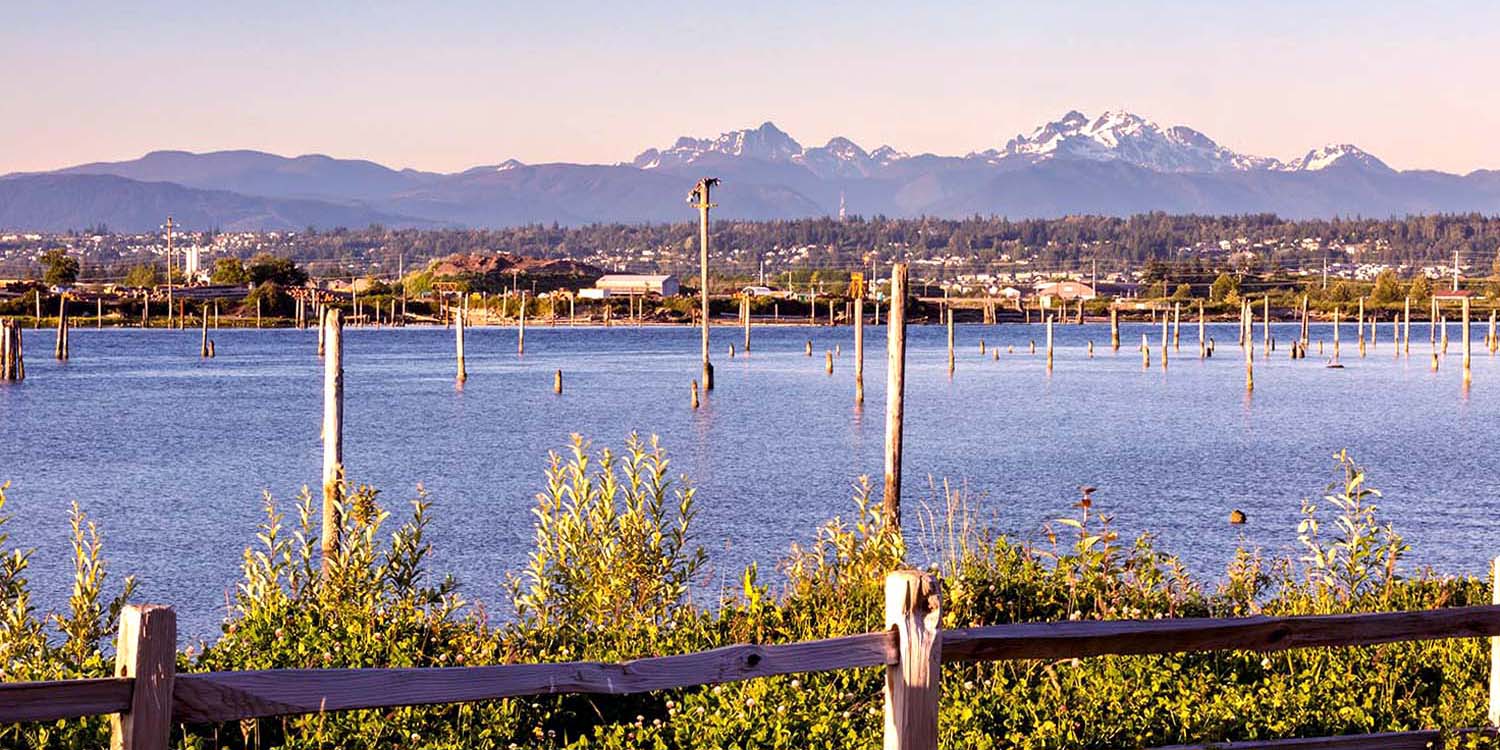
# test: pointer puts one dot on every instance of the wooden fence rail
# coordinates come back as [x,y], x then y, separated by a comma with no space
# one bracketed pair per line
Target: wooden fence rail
[912,651]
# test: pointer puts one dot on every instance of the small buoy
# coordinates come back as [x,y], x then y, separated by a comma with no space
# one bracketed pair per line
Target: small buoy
[1236,516]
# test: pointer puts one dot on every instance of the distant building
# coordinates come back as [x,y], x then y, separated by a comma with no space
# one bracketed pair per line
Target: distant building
[1457,294]
[1054,292]
[758,291]
[664,285]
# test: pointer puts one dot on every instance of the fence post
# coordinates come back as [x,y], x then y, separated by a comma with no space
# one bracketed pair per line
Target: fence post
[147,652]
[913,606]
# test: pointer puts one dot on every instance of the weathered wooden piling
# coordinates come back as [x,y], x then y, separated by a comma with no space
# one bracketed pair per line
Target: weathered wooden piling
[99,312]
[828,361]
[60,348]
[1114,328]
[1432,321]
[895,395]
[1304,324]
[950,338]
[1176,326]
[12,358]
[333,437]
[807,348]
[1164,347]
[745,314]
[36,322]
[557,382]
[1360,327]
[859,349]
[1266,324]
[460,318]
[257,312]
[1493,342]
[1145,353]
[1202,331]
[521,327]
[1249,369]
[203,342]
[1406,326]
[1443,333]
[322,329]
[1467,352]
[1049,343]
[695,394]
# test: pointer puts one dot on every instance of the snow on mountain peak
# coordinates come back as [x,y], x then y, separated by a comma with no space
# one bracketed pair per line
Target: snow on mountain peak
[1335,154]
[1127,137]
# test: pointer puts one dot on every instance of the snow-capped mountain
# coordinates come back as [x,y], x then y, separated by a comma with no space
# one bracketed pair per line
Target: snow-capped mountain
[766,143]
[1130,138]
[1341,154]
[1116,163]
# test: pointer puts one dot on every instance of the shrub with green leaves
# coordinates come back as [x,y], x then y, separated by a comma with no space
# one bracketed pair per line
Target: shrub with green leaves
[615,574]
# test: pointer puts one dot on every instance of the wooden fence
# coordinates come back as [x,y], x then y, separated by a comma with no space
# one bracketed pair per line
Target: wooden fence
[148,697]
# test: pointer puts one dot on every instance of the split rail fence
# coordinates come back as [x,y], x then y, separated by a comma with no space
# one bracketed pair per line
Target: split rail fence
[147,697]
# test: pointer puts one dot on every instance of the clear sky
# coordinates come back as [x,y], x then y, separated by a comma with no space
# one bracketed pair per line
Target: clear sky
[449,85]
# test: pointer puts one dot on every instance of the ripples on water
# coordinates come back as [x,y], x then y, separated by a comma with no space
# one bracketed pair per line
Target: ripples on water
[170,453]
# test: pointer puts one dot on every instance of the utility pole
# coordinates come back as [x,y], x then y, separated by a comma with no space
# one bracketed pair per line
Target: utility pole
[1455,270]
[169,271]
[700,199]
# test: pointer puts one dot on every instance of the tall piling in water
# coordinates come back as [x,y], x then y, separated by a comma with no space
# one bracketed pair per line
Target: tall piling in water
[12,357]
[1049,343]
[1202,331]
[859,349]
[1335,334]
[203,342]
[895,394]
[1303,337]
[458,340]
[1266,324]
[60,349]
[1360,327]
[1114,327]
[521,327]
[745,314]
[333,438]
[1406,326]
[1467,351]
[950,338]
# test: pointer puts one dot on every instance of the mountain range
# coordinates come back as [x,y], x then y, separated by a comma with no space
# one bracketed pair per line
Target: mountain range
[1116,163]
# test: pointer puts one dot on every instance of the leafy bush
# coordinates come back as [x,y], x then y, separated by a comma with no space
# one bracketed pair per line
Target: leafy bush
[614,572]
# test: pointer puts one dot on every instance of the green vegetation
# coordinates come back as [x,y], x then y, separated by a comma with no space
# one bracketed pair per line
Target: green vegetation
[612,576]
[61,267]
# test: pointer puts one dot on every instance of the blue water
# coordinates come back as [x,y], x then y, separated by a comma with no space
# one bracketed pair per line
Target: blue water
[170,453]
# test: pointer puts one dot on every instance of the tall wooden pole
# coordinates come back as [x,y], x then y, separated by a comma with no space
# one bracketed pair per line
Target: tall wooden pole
[1266,324]
[521,329]
[1335,334]
[1049,342]
[950,338]
[99,315]
[701,196]
[1202,332]
[895,393]
[1406,325]
[1467,351]
[60,349]
[1114,327]
[1177,326]
[1304,321]
[859,348]
[458,339]
[333,436]
[745,306]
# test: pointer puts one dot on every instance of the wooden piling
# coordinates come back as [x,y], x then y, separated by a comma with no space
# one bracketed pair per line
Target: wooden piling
[1049,343]
[745,307]
[203,342]
[257,312]
[60,348]
[333,438]
[1202,331]
[1266,324]
[1114,327]
[1494,342]
[1145,353]
[807,349]
[1467,352]
[1177,326]
[895,394]
[1406,325]
[859,349]
[557,382]
[1304,324]
[913,611]
[1360,327]
[99,312]
[458,340]
[828,361]
[12,357]
[521,328]
[950,338]
[695,394]
[1164,322]
[1249,369]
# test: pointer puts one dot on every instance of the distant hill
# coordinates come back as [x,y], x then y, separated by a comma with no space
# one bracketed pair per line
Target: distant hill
[1116,163]
[59,202]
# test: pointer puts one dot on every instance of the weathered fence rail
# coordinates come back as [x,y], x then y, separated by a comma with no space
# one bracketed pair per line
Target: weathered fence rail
[912,651]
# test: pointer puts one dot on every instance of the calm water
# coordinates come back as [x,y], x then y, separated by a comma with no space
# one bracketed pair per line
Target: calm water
[170,454]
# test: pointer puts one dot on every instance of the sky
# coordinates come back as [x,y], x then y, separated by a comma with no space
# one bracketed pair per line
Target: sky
[445,86]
